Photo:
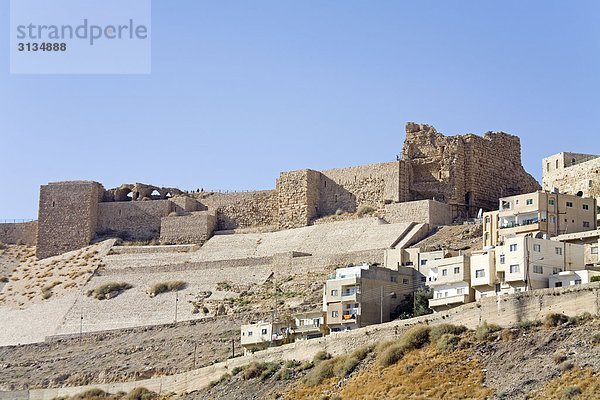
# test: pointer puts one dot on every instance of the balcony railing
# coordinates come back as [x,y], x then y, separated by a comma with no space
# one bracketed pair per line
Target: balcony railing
[524,223]
[461,298]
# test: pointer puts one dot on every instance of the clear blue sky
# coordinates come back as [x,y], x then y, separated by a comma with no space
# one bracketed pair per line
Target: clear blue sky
[241,90]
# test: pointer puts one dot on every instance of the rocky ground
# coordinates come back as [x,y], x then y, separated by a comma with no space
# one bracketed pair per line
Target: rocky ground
[453,237]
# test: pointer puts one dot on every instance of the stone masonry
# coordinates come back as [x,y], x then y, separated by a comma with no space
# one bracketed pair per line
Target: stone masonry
[572,173]
[466,172]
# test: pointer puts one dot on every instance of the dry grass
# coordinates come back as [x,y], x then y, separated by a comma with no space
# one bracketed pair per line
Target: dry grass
[109,290]
[421,374]
[580,383]
[97,394]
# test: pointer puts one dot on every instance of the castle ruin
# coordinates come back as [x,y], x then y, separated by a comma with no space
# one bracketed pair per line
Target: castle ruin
[451,177]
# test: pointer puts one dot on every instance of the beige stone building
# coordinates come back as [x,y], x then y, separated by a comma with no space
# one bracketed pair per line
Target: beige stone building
[572,173]
[450,279]
[541,214]
[522,263]
[363,295]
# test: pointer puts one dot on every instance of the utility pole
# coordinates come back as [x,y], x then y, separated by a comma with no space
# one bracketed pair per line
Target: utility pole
[81,328]
[195,348]
[176,301]
[233,348]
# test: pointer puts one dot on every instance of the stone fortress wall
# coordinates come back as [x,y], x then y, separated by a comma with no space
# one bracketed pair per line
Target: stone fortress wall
[465,172]
[572,173]
[19,233]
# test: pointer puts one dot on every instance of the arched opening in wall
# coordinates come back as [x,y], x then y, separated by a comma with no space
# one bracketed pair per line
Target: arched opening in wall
[155,194]
[168,195]
[573,161]
[123,194]
[53,203]
[129,196]
[580,194]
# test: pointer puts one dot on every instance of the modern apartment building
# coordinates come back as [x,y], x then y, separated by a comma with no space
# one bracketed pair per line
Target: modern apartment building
[572,278]
[363,295]
[262,334]
[591,242]
[450,280]
[308,325]
[540,213]
[522,263]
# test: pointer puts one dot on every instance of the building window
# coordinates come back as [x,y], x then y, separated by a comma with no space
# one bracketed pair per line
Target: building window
[334,292]
[537,247]
[556,163]
[423,262]
[249,333]
[538,269]
[547,166]
[578,281]
[556,270]
[438,295]
[529,202]
[551,202]
[405,281]
[502,258]
[334,314]
[505,205]
[513,247]
[558,250]
[264,331]
[487,219]
[444,272]
[514,268]
[457,270]
[552,219]
[479,273]
[586,224]
[558,284]
[590,183]
[570,204]
[393,279]
[423,279]
[460,291]
[594,250]
[487,236]
[586,207]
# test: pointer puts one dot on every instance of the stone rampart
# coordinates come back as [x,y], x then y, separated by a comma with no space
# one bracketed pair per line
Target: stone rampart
[468,170]
[68,215]
[135,220]
[429,212]
[196,227]
[19,233]
[242,209]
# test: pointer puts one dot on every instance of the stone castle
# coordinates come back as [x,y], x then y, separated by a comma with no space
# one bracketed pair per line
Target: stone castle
[437,180]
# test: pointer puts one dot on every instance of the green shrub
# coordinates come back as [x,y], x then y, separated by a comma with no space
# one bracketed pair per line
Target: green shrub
[554,319]
[365,210]
[447,342]
[253,370]
[596,339]
[223,286]
[595,278]
[438,331]
[109,290]
[4,279]
[578,319]
[484,331]
[236,370]
[91,394]
[164,287]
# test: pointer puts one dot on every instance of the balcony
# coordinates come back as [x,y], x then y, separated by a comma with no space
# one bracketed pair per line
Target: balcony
[516,224]
[350,315]
[307,328]
[450,300]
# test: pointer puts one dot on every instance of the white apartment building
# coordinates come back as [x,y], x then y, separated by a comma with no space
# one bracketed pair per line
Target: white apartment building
[262,334]
[522,263]
[450,279]
[572,278]
[542,214]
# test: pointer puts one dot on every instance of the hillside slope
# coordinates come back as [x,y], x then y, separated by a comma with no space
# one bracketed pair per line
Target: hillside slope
[558,358]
